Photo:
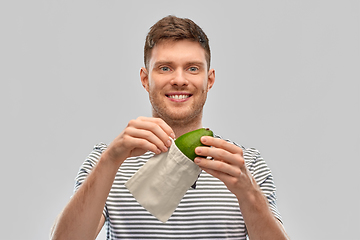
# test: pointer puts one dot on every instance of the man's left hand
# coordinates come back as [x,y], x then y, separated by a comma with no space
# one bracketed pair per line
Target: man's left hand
[228,165]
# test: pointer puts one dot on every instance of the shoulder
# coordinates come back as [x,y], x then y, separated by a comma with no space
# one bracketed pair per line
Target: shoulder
[100,147]
[94,156]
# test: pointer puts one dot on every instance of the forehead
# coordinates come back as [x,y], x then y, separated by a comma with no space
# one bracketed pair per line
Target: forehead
[179,52]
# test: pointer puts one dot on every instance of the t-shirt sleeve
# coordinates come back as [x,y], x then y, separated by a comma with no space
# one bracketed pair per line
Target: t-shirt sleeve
[87,167]
[263,176]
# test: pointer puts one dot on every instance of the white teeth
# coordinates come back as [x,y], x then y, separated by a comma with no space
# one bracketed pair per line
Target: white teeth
[178,96]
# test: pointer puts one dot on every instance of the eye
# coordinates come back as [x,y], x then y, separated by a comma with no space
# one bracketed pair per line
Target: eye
[165,69]
[193,69]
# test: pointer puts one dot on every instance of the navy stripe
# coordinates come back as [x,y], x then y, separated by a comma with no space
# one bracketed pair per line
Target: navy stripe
[210,211]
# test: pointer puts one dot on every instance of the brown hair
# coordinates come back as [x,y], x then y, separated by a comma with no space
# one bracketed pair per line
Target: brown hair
[174,28]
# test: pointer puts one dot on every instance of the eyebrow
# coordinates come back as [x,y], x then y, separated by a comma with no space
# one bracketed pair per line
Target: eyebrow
[162,63]
[171,62]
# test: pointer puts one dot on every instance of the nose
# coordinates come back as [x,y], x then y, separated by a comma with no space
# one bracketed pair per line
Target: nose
[179,79]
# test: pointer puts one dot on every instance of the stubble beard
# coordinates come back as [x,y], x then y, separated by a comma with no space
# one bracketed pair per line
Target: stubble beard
[191,116]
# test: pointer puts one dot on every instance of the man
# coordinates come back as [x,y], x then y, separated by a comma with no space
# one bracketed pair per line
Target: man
[235,194]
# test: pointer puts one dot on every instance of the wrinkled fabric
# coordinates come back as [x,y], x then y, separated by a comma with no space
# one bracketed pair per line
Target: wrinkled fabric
[162,182]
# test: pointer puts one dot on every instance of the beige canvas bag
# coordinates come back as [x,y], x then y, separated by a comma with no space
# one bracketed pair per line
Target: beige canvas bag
[160,184]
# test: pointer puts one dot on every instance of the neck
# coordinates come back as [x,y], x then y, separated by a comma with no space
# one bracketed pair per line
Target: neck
[180,129]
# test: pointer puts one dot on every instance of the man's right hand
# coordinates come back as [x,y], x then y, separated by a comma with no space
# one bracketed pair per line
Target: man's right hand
[82,219]
[141,135]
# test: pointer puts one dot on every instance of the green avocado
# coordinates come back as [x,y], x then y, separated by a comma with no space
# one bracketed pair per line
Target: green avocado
[191,140]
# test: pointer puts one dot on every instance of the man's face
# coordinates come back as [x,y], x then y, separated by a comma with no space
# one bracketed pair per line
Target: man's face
[177,80]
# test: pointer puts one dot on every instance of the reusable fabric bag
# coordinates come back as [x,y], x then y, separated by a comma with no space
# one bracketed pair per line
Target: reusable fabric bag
[160,184]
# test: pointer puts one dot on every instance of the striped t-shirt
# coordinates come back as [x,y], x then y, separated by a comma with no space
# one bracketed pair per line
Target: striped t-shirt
[210,211]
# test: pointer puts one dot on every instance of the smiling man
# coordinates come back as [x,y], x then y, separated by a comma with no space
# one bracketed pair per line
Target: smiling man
[235,195]
[178,79]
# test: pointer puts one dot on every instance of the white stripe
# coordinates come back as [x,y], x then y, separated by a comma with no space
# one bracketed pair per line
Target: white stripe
[209,211]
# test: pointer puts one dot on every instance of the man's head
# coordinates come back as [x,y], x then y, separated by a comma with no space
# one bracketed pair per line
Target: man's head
[177,74]
[174,29]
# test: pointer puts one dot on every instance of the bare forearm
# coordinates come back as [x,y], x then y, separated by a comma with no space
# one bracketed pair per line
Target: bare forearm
[260,222]
[229,166]
[81,216]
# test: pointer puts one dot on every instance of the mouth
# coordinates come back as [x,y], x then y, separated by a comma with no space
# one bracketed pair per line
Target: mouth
[178,96]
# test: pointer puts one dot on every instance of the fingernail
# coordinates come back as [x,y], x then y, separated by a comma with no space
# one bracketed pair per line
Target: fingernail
[168,143]
[197,160]
[172,135]
[164,149]
[198,150]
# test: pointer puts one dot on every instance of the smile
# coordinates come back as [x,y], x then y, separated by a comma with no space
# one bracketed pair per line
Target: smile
[182,96]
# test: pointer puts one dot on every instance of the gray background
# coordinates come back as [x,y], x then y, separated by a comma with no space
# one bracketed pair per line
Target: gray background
[287,83]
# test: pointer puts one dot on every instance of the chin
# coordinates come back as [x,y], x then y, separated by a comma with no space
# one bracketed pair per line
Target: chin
[184,114]
[183,117]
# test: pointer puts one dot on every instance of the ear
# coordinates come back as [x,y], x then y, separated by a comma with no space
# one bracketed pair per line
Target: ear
[211,79]
[144,76]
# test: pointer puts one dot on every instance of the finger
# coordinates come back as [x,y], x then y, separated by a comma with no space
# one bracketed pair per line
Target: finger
[162,124]
[221,155]
[140,146]
[149,137]
[220,143]
[217,167]
[152,127]
[220,175]
[160,128]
